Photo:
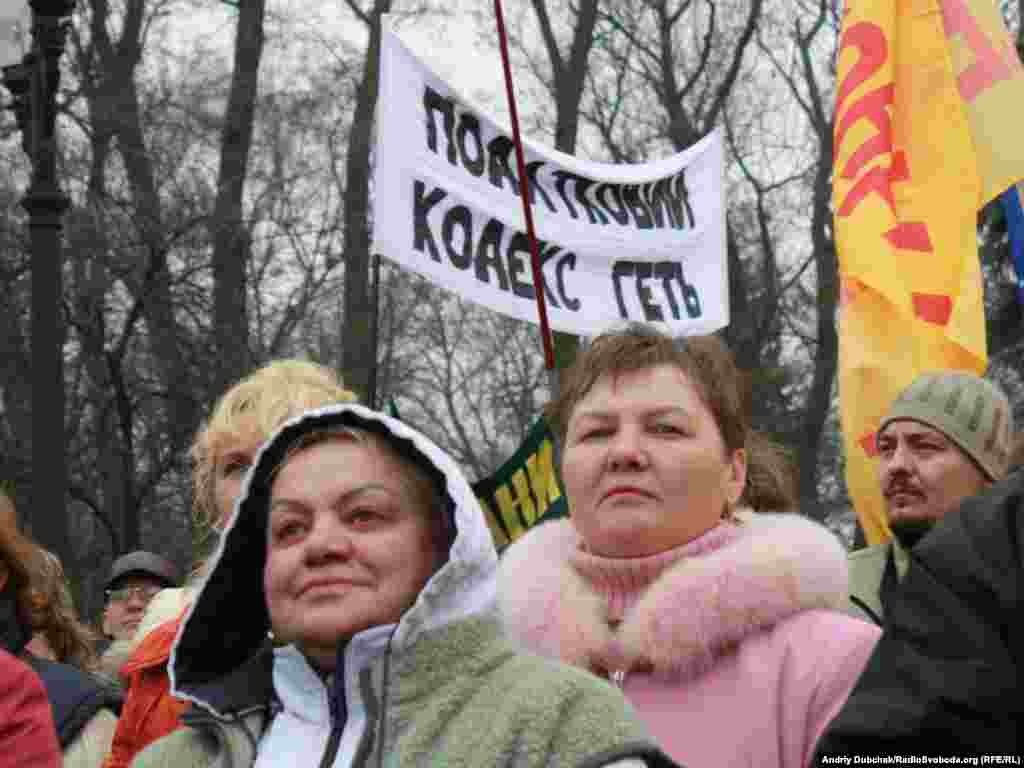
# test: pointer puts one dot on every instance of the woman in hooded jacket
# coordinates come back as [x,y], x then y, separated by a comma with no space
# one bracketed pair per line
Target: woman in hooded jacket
[224,448]
[716,619]
[360,546]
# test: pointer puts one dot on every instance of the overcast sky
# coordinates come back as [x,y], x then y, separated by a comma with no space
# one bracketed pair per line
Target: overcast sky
[449,45]
[13,18]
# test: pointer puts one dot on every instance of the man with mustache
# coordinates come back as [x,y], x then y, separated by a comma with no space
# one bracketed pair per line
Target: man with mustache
[945,438]
[945,676]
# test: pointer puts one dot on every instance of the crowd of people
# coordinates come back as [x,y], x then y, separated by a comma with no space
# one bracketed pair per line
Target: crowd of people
[354,610]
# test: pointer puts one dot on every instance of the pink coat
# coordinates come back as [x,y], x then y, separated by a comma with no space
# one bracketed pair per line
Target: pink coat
[735,654]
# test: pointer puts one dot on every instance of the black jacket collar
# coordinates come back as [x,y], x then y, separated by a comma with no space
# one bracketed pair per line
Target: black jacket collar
[249,686]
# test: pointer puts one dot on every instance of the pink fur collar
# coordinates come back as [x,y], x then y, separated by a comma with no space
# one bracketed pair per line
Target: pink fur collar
[774,566]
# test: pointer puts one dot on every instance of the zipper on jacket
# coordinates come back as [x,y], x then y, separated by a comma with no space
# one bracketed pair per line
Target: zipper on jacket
[333,742]
[384,689]
[339,711]
[618,678]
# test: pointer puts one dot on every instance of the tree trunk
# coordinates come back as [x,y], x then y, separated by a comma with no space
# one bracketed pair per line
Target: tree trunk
[107,485]
[569,80]
[111,489]
[358,347]
[826,355]
[16,400]
[741,333]
[231,242]
[151,283]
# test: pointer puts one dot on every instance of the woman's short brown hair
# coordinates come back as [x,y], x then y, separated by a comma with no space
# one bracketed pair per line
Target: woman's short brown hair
[710,367]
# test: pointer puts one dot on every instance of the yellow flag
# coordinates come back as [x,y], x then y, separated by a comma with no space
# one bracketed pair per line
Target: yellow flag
[924,135]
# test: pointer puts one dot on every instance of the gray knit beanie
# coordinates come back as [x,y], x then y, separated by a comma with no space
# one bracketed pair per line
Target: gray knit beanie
[970,411]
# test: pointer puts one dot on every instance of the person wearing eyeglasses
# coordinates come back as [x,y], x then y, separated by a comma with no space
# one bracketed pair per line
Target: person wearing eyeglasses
[134,580]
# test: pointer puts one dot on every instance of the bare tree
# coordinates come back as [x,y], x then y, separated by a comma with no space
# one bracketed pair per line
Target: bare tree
[666,74]
[468,377]
[359,355]
[113,64]
[804,82]
[142,359]
[231,246]
[566,86]
[690,55]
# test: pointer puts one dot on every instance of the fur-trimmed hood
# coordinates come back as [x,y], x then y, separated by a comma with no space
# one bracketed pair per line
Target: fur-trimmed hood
[734,581]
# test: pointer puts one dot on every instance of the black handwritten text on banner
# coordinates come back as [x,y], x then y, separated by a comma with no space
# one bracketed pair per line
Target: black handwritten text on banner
[662,203]
[639,242]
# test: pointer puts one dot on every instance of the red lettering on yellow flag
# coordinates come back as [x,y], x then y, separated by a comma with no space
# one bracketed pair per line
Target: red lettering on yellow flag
[870,42]
[868,445]
[932,307]
[876,180]
[874,107]
[872,47]
[849,289]
[990,66]
[879,180]
[900,168]
[910,236]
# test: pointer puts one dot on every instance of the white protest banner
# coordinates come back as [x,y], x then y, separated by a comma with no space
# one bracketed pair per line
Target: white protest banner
[618,242]
[15,18]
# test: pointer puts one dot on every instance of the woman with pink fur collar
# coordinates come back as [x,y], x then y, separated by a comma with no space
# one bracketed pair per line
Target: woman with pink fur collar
[718,621]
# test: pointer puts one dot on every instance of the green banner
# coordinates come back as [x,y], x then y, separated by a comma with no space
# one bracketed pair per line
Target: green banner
[525,490]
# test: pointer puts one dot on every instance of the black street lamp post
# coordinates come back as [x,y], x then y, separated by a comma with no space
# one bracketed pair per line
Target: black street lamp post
[33,83]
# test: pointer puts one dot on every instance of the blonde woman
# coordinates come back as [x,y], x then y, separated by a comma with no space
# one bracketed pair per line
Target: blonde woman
[223,450]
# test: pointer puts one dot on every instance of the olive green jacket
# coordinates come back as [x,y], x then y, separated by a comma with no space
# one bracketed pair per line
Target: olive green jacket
[867,567]
[464,698]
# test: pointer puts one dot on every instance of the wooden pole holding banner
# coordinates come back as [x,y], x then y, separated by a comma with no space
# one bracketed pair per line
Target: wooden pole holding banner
[372,397]
[524,191]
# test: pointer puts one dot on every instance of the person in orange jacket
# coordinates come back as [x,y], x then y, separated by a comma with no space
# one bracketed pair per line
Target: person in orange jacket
[223,450]
[28,736]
